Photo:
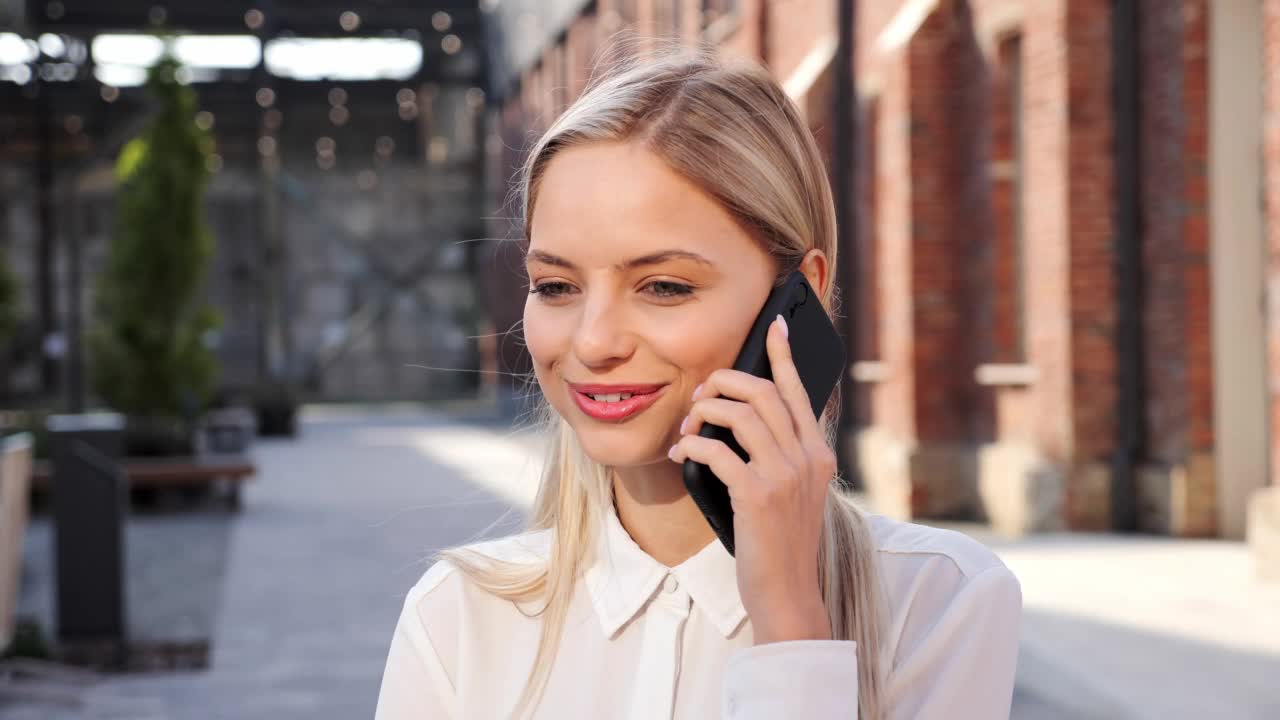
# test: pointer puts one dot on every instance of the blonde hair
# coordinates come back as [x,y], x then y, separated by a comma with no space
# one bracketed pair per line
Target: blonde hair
[728,127]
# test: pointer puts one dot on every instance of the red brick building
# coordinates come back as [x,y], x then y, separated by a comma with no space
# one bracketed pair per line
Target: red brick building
[1068,256]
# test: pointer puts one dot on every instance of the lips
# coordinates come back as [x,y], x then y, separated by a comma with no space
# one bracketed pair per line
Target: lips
[642,396]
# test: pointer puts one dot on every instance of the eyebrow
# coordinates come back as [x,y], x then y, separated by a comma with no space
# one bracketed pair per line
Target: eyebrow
[654,258]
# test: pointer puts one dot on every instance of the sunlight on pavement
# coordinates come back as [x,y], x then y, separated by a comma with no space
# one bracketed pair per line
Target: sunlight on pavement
[1119,626]
[506,463]
[1199,589]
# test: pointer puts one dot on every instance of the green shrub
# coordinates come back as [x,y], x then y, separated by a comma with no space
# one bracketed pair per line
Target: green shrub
[148,349]
[29,641]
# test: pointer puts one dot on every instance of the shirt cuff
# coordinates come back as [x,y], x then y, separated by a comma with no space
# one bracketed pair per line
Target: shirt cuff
[801,678]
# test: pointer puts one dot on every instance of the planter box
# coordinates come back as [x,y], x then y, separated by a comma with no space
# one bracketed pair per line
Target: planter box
[157,437]
[15,480]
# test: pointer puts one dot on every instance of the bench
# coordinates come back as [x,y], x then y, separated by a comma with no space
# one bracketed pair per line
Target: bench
[202,471]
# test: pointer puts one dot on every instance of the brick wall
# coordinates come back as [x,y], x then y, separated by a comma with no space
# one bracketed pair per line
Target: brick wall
[941,273]
[1176,304]
[1163,184]
[1070,170]
[1005,411]
[947,185]
[1090,191]
[893,400]
[1197,335]
[1047,142]
[943,142]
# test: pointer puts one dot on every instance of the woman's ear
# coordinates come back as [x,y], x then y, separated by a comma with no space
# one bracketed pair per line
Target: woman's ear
[816,270]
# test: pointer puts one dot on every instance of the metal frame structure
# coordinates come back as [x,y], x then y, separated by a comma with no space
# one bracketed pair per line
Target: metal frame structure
[62,126]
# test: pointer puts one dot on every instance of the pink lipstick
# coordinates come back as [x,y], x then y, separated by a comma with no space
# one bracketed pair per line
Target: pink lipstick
[617,402]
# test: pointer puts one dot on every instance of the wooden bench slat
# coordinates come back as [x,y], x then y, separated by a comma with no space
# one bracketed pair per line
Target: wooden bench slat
[151,472]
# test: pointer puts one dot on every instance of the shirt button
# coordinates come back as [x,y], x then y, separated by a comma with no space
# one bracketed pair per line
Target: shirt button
[670,584]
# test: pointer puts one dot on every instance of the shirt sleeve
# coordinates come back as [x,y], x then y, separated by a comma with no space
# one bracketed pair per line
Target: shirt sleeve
[964,665]
[801,678]
[415,685]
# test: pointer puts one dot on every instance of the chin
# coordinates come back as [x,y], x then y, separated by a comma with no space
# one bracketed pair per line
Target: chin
[620,446]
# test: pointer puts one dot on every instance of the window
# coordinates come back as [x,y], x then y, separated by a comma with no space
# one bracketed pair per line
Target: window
[1008,213]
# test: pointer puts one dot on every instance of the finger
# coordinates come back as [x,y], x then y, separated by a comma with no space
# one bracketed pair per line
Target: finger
[764,398]
[748,428]
[723,461]
[790,387]
[785,375]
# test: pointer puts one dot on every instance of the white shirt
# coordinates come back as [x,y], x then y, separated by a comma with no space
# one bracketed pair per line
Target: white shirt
[646,641]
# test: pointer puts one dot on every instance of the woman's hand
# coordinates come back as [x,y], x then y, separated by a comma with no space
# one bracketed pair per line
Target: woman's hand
[779,497]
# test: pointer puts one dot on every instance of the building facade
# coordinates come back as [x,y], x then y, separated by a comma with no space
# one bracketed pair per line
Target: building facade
[1067,263]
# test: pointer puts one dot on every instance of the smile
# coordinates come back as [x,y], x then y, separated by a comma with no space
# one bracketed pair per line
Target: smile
[614,403]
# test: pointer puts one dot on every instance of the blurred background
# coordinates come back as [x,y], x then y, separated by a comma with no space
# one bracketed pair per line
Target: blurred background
[260,353]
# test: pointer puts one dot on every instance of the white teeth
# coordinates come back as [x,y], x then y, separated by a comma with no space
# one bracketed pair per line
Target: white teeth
[614,397]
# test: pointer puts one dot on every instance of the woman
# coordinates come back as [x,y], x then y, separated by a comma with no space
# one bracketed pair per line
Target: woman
[659,211]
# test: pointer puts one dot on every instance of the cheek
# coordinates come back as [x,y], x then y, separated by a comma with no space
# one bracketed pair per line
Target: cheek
[704,340]
[546,335]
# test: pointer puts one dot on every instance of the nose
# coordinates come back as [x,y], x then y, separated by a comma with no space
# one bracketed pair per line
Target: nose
[603,335]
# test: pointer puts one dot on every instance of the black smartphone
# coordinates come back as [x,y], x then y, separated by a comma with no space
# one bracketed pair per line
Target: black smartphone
[819,356]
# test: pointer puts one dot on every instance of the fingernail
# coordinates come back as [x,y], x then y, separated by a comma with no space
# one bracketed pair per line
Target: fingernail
[785,332]
[695,392]
[683,424]
[671,454]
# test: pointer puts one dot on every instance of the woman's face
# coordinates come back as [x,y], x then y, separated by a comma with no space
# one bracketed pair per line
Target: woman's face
[640,284]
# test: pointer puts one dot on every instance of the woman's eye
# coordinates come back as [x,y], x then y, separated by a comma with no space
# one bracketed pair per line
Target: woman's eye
[658,288]
[668,289]
[550,289]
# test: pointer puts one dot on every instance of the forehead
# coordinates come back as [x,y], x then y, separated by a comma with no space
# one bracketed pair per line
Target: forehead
[604,201]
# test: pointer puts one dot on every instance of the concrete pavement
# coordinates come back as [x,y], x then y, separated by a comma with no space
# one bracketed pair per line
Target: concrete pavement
[1122,627]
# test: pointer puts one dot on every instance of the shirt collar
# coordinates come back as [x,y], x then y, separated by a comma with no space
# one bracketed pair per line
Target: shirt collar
[622,577]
